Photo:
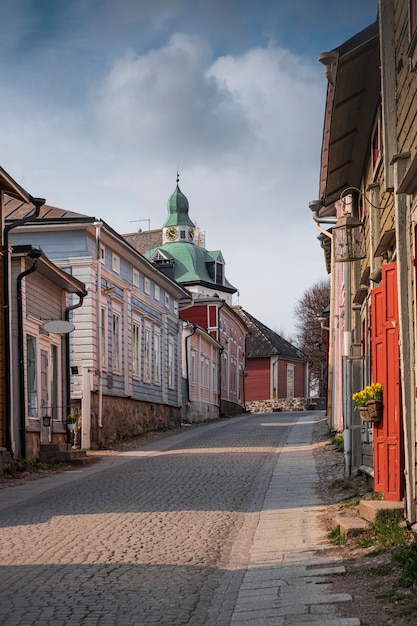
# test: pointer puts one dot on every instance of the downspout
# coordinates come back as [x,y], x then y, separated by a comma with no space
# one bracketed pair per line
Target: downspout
[38,202]
[34,255]
[81,295]
[99,368]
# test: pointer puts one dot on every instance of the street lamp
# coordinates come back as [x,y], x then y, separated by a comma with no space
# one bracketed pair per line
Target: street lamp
[347,239]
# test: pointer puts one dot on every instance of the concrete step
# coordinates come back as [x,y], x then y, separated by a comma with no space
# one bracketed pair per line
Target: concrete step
[370,510]
[350,526]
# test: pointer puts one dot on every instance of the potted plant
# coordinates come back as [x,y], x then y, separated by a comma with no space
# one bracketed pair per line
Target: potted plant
[71,421]
[369,402]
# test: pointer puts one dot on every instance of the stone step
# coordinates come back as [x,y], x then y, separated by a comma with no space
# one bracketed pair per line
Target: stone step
[370,510]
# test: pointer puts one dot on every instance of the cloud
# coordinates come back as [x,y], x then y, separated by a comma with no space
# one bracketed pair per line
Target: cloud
[166,104]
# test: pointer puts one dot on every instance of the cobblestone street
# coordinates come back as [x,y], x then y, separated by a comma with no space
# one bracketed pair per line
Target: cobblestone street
[160,535]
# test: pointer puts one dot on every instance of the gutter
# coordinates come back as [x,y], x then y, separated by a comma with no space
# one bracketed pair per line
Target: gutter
[34,255]
[38,202]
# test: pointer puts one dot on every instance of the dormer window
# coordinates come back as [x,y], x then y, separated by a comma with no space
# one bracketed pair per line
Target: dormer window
[219,273]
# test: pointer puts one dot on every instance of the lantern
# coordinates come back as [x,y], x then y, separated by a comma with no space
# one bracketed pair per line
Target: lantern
[347,239]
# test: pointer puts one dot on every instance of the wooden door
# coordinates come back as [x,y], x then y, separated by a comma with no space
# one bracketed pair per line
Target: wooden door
[385,367]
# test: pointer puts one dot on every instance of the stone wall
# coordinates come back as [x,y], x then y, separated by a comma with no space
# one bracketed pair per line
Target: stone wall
[285,404]
[200,412]
[124,418]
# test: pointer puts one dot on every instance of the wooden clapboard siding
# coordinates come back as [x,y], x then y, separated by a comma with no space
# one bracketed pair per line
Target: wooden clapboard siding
[257,382]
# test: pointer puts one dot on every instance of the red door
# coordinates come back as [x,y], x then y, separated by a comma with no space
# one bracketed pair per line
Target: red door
[388,455]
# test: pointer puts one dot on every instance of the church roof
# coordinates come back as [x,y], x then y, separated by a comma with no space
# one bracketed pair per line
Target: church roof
[192,264]
[264,342]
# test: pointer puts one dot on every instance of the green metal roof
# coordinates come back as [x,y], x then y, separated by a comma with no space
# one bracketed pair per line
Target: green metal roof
[192,263]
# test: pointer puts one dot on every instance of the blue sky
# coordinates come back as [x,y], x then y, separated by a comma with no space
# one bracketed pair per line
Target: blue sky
[102,100]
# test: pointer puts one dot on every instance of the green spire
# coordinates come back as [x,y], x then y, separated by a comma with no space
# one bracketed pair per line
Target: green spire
[178,209]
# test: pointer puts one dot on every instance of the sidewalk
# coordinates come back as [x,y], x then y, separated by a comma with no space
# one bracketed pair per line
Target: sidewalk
[285,581]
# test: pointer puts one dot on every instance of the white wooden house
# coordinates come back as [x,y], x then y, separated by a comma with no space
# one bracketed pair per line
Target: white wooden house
[39,304]
[125,350]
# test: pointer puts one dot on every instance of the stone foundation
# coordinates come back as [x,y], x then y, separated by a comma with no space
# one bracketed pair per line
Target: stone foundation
[124,418]
[285,404]
[200,412]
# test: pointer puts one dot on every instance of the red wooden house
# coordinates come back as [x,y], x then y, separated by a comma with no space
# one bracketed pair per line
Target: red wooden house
[276,371]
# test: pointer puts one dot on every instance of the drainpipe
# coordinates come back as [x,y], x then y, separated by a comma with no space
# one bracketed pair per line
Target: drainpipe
[34,255]
[38,202]
[81,295]
[99,369]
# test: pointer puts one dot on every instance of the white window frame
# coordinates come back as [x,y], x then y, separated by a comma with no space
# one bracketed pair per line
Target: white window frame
[116,343]
[157,292]
[102,254]
[136,348]
[147,286]
[156,356]
[115,263]
[193,355]
[171,363]
[136,278]
[147,348]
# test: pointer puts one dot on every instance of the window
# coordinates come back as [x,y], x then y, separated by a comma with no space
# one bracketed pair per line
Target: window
[156,358]
[135,278]
[102,254]
[136,349]
[115,263]
[207,374]
[147,286]
[202,381]
[214,378]
[233,375]
[192,367]
[413,17]
[53,381]
[290,381]
[224,372]
[182,234]
[103,337]
[156,293]
[219,274]
[376,148]
[167,301]
[31,376]
[147,356]
[171,364]
[116,342]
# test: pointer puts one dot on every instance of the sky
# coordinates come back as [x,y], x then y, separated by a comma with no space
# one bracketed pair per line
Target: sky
[104,100]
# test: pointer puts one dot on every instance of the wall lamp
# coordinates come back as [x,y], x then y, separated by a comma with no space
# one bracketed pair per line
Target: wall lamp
[46,420]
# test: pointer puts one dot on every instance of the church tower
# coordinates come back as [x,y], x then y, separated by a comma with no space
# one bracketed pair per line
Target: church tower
[178,226]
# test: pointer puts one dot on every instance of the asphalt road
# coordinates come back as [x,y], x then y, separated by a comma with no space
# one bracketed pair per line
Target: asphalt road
[161,535]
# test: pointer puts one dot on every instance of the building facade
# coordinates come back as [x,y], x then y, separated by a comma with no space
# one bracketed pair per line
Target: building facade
[126,348]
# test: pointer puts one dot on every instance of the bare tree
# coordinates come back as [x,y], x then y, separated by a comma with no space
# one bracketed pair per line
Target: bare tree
[310,336]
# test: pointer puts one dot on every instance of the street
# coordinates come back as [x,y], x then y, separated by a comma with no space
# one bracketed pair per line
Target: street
[178,532]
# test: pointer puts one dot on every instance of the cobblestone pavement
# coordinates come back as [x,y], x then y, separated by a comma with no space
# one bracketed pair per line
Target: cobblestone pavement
[160,535]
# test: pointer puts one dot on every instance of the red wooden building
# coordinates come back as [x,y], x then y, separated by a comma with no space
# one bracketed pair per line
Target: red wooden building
[275,369]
